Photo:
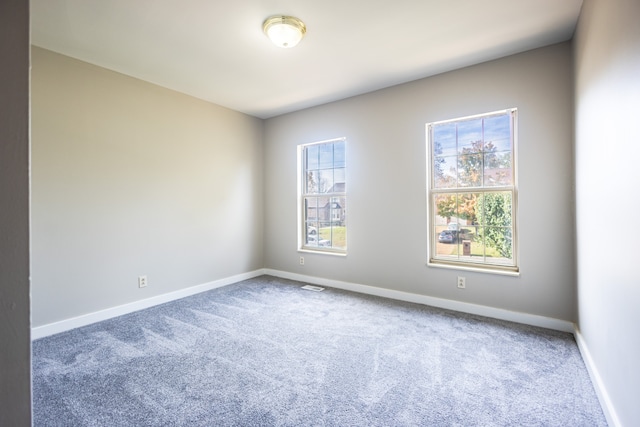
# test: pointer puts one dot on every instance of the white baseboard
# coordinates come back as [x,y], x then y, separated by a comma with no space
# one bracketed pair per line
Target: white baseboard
[601,391]
[87,319]
[496,313]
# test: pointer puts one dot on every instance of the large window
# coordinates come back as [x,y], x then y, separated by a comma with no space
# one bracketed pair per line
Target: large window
[323,197]
[472,191]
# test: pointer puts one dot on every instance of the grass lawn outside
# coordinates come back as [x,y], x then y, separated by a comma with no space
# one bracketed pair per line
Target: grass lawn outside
[477,249]
[336,235]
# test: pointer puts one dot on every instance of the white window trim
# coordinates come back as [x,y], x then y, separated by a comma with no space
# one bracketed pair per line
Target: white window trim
[432,261]
[301,214]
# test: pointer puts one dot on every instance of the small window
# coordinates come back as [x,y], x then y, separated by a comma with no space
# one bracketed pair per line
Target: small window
[323,197]
[472,191]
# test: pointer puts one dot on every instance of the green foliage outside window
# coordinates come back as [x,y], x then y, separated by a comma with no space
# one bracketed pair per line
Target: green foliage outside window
[494,213]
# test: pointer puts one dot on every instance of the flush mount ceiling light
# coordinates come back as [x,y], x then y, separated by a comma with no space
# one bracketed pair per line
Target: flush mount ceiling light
[284,31]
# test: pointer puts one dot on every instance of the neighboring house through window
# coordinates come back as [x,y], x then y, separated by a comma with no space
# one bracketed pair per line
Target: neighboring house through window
[472,192]
[323,200]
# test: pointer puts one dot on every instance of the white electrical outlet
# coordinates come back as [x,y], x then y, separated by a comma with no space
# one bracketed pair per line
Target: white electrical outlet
[461,282]
[301,260]
[142,281]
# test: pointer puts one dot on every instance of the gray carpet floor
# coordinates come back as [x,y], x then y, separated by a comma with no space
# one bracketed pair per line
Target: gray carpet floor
[265,352]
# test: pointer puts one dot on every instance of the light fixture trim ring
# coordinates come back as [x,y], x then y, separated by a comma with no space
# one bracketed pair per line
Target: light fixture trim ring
[288,21]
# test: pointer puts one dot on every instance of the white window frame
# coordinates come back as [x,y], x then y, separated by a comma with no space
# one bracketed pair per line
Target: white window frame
[303,227]
[461,262]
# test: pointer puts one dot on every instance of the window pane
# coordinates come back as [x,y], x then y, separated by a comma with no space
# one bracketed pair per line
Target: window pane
[311,153]
[339,181]
[470,136]
[324,234]
[497,169]
[311,238]
[470,170]
[445,241]
[499,243]
[445,208]
[497,132]
[326,156]
[464,248]
[312,179]
[444,137]
[467,211]
[326,180]
[311,209]
[445,172]
[324,209]
[311,230]
[494,209]
[478,248]
[339,237]
[343,209]
[337,210]
[339,155]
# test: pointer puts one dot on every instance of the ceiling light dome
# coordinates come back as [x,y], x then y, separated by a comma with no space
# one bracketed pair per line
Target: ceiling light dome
[284,31]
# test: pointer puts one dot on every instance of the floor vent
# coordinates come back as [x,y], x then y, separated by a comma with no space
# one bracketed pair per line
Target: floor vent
[313,288]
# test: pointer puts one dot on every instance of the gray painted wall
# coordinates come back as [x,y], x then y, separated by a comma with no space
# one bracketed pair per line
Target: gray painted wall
[386,153]
[133,179]
[607,147]
[15,333]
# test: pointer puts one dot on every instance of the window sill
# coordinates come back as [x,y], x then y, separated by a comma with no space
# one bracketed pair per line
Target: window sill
[322,252]
[467,267]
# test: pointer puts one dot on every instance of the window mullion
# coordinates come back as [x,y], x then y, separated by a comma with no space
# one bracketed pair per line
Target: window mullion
[472,189]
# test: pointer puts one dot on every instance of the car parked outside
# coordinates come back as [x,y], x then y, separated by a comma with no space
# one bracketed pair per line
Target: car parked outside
[315,241]
[453,234]
[447,236]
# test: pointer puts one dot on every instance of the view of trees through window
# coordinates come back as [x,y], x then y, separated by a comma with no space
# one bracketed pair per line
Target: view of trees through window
[324,202]
[472,189]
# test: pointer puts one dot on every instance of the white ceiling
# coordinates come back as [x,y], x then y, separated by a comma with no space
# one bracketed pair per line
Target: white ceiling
[215,49]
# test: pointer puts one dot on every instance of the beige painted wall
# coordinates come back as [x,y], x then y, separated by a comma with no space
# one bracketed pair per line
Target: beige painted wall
[607,147]
[133,179]
[15,333]
[386,187]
